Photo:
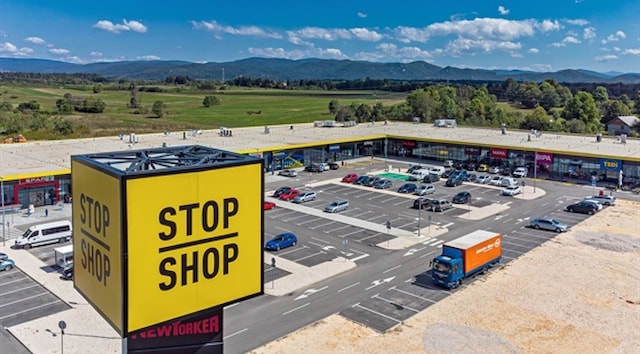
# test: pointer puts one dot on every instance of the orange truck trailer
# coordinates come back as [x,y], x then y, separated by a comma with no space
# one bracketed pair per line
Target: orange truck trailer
[465,256]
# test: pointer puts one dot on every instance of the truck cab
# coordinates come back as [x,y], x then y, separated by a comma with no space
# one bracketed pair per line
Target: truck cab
[447,272]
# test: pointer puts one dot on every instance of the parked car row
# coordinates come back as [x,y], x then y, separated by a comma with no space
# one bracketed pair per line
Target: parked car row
[369,181]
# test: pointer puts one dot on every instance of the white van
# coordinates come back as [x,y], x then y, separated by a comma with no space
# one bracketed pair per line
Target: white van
[437,170]
[419,175]
[58,231]
[508,182]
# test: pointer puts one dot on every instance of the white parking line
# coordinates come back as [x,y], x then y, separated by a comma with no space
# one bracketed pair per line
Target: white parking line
[19,290]
[363,256]
[351,233]
[30,309]
[337,229]
[321,225]
[447,225]
[412,294]
[395,303]
[309,256]
[23,299]
[376,312]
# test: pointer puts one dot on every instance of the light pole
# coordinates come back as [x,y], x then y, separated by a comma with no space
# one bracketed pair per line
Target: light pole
[4,239]
[419,217]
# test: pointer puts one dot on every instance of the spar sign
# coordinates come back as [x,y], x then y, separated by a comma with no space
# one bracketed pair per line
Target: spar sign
[158,243]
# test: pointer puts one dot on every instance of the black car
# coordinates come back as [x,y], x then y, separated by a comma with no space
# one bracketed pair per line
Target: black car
[461,198]
[67,272]
[446,174]
[583,207]
[454,181]
[422,203]
[281,191]
[430,178]
[471,177]
[334,166]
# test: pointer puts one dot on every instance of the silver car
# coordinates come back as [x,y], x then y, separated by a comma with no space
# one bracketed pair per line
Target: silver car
[425,189]
[604,199]
[305,196]
[547,223]
[288,173]
[337,206]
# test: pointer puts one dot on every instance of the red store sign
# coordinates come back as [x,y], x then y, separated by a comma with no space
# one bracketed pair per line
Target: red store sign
[497,153]
[36,180]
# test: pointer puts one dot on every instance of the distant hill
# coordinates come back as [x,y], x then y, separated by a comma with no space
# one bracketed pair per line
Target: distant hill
[309,69]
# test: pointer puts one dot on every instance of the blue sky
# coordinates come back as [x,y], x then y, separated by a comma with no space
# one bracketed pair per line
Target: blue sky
[529,35]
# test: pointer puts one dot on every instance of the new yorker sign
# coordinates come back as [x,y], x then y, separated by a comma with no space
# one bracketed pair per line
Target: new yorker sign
[161,235]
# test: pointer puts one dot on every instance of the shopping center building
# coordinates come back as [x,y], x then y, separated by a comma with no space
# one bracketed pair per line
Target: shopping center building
[38,173]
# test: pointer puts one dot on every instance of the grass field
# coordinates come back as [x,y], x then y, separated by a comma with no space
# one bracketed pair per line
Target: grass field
[184,110]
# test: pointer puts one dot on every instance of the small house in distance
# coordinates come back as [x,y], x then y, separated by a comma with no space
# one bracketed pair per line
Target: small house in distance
[621,125]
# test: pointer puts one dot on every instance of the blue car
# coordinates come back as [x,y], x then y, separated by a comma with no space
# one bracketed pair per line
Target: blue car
[6,264]
[408,188]
[281,241]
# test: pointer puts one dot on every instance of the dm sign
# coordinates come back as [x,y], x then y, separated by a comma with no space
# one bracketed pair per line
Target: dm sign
[194,242]
[97,240]
[610,165]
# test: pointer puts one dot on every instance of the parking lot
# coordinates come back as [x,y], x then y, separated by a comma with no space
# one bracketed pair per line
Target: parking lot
[23,299]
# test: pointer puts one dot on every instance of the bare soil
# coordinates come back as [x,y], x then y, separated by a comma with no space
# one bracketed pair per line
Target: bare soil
[577,293]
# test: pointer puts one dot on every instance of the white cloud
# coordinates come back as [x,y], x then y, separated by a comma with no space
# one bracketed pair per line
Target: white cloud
[485,28]
[606,57]
[10,49]
[411,34]
[96,54]
[565,41]
[589,33]
[109,26]
[542,67]
[533,50]
[329,53]
[503,10]
[548,25]
[362,14]
[462,45]
[59,51]
[577,22]
[218,29]
[614,37]
[148,57]
[632,51]
[365,34]
[35,40]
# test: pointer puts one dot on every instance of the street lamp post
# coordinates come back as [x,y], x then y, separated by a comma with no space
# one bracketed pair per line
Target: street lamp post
[4,233]
[419,217]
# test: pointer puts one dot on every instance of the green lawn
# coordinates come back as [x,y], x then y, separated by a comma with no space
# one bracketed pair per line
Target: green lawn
[239,107]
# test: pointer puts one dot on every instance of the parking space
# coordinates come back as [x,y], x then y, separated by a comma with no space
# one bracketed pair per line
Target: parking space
[321,239]
[24,300]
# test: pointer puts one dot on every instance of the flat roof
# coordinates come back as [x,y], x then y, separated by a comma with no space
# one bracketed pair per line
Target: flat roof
[39,158]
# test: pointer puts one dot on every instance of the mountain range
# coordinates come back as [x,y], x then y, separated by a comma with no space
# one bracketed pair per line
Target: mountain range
[307,69]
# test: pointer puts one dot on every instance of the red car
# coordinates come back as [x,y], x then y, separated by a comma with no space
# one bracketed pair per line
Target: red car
[290,194]
[350,178]
[268,205]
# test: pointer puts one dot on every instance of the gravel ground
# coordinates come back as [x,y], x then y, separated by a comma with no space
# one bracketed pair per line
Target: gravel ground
[577,293]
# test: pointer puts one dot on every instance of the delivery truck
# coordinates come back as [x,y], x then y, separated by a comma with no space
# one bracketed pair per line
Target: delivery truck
[465,256]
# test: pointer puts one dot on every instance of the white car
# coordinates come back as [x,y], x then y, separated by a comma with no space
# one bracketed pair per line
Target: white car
[520,172]
[604,199]
[425,189]
[495,169]
[496,181]
[512,190]
[288,173]
[483,179]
